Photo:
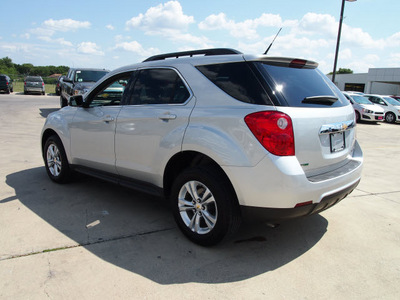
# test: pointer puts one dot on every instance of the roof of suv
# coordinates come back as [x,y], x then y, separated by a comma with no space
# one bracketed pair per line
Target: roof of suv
[217,55]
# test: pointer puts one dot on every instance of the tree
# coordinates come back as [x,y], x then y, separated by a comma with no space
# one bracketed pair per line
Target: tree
[343,71]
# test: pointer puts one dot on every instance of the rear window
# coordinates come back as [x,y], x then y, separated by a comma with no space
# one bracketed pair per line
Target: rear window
[3,78]
[298,86]
[34,79]
[89,76]
[237,80]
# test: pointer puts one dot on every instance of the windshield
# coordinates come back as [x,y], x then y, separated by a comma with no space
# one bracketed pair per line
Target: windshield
[297,85]
[89,76]
[392,101]
[360,99]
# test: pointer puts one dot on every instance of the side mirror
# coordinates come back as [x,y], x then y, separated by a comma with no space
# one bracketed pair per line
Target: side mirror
[66,79]
[76,100]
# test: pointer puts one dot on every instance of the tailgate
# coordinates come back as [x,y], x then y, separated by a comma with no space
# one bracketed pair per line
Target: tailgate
[324,137]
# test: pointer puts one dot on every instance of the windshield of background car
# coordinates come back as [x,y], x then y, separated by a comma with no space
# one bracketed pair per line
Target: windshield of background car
[392,101]
[294,85]
[89,76]
[360,99]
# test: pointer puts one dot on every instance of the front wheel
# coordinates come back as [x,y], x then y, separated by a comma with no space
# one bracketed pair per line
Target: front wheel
[55,160]
[390,117]
[63,102]
[204,205]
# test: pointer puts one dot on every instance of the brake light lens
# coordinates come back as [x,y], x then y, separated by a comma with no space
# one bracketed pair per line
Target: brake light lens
[274,130]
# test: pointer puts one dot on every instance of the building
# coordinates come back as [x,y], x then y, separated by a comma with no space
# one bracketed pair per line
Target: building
[383,81]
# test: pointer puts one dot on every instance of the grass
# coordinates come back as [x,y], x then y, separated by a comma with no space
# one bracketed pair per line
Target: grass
[19,87]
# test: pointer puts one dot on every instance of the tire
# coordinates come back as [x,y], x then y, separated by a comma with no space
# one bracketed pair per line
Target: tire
[390,117]
[358,118]
[8,91]
[204,205]
[55,160]
[43,93]
[63,102]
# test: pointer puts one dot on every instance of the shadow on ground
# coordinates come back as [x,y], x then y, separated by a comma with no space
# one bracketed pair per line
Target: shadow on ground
[137,232]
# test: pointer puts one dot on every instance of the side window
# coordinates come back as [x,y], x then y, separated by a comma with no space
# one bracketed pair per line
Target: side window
[237,80]
[158,86]
[111,92]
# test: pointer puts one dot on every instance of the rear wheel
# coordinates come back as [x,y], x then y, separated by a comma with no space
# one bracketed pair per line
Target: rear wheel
[55,160]
[390,117]
[204,205]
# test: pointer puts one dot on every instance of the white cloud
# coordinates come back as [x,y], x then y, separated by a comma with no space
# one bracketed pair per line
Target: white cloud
[246,29]
[110,27]
[160,18]
[50,27]
[89,48]
[60,41]
[65,25]
[137,48]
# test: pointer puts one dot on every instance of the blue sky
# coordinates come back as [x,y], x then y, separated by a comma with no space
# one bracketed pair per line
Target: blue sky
[110,34]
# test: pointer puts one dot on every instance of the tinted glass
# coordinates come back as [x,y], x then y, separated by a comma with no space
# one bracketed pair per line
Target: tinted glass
[237,80]
[3,78]
[34,79]
[89,76]
[159,86]
[295,84]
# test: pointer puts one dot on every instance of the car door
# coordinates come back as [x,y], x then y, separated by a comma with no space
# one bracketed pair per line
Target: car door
[93,128]
[151,126]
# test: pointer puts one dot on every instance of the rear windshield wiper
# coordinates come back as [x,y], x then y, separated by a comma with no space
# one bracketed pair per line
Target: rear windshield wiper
[323,100]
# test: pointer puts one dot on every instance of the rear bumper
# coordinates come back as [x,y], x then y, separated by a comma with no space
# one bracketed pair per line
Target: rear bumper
[279,214]
[280,183]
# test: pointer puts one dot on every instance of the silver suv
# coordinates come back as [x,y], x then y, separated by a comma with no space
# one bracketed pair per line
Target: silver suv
[218,133]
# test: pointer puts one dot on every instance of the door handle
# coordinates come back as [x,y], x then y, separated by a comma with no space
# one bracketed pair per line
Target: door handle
[108,119]
[167,116]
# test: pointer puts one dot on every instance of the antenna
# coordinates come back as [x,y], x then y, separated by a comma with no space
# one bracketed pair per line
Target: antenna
[266,51]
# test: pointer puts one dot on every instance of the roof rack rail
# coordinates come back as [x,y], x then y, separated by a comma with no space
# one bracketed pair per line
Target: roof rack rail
[205,52]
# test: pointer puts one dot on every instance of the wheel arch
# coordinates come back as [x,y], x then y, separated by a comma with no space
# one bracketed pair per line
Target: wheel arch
[188,159]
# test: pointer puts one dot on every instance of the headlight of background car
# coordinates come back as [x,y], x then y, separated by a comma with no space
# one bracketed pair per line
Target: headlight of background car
[367,111]
[80,92]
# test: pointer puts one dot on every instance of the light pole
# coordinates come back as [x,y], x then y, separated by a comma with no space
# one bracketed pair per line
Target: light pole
[338,39]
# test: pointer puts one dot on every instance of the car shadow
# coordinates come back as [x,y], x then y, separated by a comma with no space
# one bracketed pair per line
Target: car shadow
[44,112]
[137,232]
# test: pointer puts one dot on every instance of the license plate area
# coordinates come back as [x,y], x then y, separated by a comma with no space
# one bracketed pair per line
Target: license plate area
[337,141]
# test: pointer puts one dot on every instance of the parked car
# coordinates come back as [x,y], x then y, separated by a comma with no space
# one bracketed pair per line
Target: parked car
[58,85]
[364,109]
[396,97]
[6,84]
[34,84]
[390,105]
[218,133]
[79,81]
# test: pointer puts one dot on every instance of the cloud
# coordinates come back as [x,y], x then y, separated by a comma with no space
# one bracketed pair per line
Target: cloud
[160,18]
[246,29]
[50,27]
[65,25]
[110,27]
[89,48]
[60,41]
[137,48]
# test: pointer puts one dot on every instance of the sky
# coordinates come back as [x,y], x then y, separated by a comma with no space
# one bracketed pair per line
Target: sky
[111,34]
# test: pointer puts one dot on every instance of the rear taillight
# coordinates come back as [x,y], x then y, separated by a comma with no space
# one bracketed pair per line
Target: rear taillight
[274,130]
[42,83]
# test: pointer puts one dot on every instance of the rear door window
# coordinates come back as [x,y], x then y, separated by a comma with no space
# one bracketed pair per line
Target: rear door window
[158,86]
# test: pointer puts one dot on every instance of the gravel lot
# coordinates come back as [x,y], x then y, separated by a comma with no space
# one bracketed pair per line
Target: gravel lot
[90,239]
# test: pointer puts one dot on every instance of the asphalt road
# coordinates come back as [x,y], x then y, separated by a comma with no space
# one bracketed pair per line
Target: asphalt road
[93,240]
